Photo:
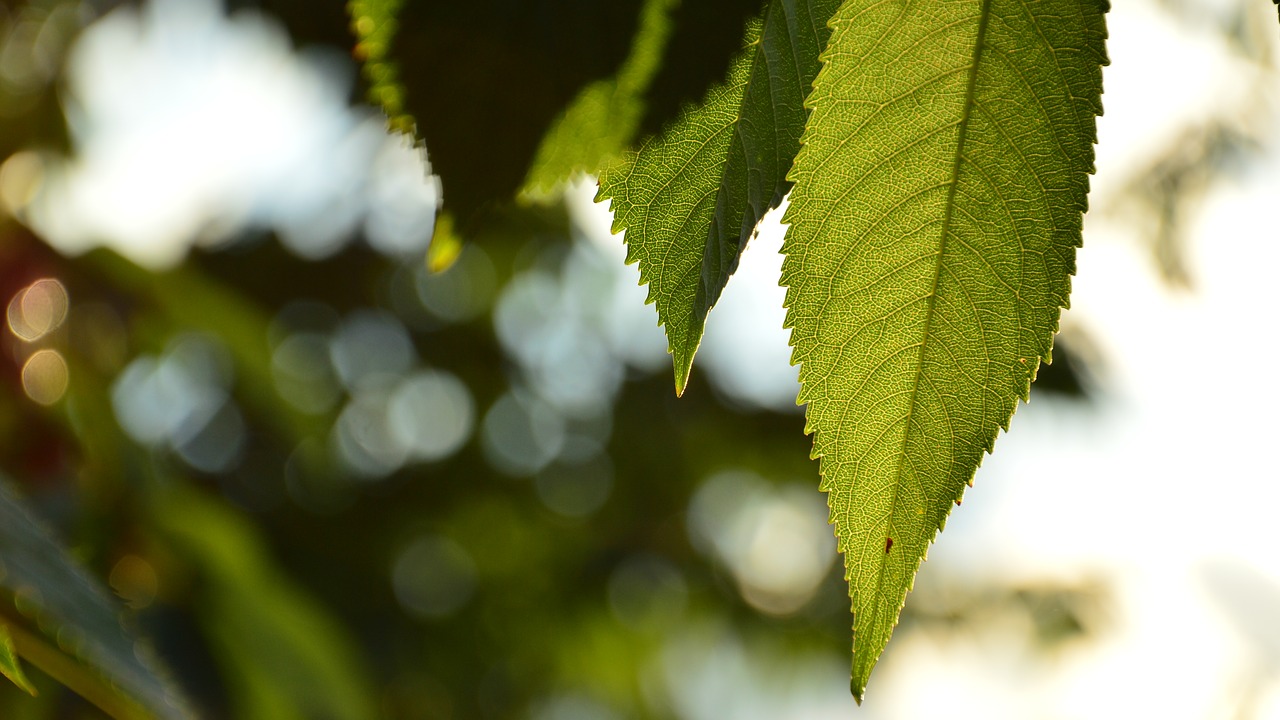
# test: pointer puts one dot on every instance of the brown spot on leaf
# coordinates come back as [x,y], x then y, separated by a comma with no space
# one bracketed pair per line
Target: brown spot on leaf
[888,543]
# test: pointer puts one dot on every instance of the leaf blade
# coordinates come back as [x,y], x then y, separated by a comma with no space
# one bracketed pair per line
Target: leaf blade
[692,198]
[934,222]
[49,587]
[10,665]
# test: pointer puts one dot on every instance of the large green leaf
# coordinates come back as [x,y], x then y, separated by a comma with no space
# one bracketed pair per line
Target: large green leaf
[934,222]
[511,68]
[692,197]
[53,592]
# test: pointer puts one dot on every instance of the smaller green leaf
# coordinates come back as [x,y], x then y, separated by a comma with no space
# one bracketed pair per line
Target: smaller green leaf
[10,666]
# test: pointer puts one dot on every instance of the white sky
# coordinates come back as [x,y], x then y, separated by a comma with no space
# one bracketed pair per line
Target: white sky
[190,127]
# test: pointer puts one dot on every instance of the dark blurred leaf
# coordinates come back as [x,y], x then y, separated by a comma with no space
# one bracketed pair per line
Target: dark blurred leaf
[1072,371]
[10,665]
[374,24]
[485,80]
[692,198]
[285,657]
[605,117]
[1165,195]
[708,33]
[1053,613]
[53,591]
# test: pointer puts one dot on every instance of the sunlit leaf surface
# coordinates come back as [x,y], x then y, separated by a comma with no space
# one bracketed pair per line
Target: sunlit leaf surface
[692,197]
[934,222]
[287,657]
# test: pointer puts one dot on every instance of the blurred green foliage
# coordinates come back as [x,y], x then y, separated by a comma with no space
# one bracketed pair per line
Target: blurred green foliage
[10,666]
[284,564]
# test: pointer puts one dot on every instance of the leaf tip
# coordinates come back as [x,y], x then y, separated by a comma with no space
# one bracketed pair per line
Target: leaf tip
[10,666]
[682,368]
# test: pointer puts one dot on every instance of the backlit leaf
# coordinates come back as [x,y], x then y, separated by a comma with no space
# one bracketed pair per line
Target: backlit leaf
[691,198]
[56,594]
[934,222]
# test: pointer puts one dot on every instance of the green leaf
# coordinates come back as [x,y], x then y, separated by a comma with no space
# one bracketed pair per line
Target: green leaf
[934,222]
[374,23]
[10,666]
[692,198]
[604,118]
[55,593]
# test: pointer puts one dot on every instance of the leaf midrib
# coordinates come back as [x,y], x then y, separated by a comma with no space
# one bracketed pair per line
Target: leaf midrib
[931,311]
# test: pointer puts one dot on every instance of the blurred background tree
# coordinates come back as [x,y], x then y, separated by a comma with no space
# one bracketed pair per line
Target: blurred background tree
[329,481]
